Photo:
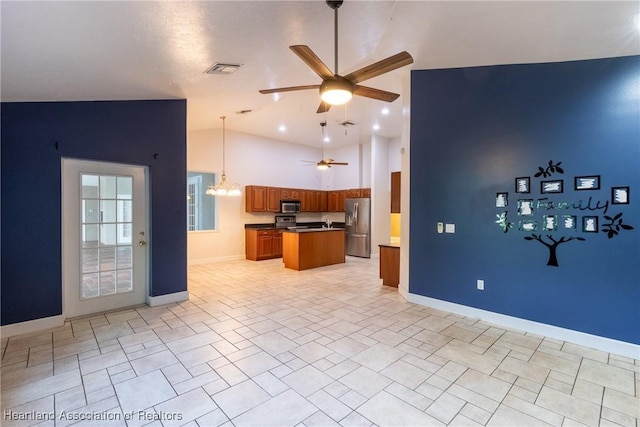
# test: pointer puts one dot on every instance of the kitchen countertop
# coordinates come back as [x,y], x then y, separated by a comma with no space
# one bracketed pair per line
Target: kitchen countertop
[391,245]
[310,225]
[307,230]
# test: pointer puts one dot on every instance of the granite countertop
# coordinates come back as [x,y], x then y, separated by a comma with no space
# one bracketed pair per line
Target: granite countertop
[310,225]
[316,229]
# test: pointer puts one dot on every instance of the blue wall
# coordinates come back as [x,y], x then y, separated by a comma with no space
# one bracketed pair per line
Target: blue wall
[473,131]
[35,136]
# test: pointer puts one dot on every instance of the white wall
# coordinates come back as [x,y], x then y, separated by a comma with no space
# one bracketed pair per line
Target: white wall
[380,199]
[255,160]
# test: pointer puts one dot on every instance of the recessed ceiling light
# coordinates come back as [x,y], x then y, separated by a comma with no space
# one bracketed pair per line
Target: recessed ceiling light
[282,128]
[385,110]
[376,127]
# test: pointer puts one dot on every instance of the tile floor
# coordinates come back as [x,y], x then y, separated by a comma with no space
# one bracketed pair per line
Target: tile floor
[258,345]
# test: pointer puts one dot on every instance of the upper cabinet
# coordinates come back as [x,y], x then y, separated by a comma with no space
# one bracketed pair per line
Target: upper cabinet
[262,199]
[395,192]
[267,199]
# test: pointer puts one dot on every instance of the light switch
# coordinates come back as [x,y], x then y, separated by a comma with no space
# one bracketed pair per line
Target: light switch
[450,228]
[440,227]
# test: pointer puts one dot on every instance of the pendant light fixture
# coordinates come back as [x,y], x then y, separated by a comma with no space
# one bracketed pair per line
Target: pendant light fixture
[224,188]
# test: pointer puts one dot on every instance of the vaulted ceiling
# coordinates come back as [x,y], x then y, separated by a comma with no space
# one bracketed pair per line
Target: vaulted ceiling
[112,50]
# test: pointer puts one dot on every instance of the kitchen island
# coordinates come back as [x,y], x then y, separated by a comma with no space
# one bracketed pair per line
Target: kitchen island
[312,247]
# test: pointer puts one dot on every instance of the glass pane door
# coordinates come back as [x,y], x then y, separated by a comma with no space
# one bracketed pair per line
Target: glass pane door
[106,235]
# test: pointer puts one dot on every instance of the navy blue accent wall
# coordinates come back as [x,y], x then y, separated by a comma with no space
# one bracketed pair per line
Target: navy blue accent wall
[473,131]
[35,136]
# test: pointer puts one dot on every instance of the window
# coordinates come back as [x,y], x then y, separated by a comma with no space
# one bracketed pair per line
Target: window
[200,206]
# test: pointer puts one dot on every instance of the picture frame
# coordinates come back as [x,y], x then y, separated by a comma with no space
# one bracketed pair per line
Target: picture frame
[550,222]
[523,184]
[589,224]
[525,207]
[528,225]
[586,183]
[619,195]
[502,200]
[555,186]
[570,222]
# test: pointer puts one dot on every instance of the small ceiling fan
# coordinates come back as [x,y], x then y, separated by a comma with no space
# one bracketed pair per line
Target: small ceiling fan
[325,163]
[336,89]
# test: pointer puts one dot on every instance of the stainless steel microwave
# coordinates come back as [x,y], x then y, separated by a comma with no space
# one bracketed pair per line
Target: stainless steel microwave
[290,206]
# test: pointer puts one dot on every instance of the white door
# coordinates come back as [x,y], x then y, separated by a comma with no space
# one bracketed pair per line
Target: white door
[104,236]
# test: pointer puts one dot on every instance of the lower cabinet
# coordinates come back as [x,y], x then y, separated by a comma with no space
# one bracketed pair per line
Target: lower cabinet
[263,244]
[390,265]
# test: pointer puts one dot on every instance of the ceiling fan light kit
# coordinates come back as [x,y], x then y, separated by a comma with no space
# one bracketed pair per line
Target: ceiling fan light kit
[336,92]
[336,89]
[325,164]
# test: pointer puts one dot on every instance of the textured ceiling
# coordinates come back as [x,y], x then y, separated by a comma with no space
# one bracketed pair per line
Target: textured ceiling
[71,51]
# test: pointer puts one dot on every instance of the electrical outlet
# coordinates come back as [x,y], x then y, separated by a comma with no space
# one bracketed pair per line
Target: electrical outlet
[480,284]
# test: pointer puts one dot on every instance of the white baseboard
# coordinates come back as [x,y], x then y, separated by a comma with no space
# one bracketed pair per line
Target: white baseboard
[30,326]
[44,323]
[592,341]
[216,259]
[167,299]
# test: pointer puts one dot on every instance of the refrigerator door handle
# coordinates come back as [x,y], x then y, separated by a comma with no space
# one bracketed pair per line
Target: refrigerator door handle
[355,212]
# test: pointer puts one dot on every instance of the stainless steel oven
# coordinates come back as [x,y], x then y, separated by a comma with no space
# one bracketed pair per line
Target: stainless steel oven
[289,206]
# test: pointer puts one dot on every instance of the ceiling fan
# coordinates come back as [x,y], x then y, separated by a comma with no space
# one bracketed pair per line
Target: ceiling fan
[324,164]
[336,89]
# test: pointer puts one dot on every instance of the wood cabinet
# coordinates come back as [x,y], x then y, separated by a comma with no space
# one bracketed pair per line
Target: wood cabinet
[311,249]
[395,192]
[390,265]
[273,199]
[263,244]
[289,194]
[262,199]
[267,199]
[333,201]
[255,198]
[322,199]
[353,193]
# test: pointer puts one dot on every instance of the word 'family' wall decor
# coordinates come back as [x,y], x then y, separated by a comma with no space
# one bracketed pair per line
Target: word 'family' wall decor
[552,218]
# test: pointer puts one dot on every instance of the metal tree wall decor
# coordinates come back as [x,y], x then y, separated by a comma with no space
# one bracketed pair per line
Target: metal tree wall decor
[544,217]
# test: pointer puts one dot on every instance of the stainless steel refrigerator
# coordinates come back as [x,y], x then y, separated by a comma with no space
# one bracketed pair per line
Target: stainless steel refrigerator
[357,222]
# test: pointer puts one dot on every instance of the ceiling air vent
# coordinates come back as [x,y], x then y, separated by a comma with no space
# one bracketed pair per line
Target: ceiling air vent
[220,68]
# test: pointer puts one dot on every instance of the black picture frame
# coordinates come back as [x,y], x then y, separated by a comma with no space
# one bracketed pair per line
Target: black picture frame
[502,200]
[589,224]
[619,195]
[586,183]
[523,185]
[554,186]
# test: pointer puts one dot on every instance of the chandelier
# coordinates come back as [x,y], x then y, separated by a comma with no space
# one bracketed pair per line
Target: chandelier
[223,188]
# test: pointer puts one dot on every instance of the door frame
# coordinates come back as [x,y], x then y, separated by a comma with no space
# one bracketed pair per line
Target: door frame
[67,162]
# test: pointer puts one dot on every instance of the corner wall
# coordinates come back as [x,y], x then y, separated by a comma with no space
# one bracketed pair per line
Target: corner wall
[473,132]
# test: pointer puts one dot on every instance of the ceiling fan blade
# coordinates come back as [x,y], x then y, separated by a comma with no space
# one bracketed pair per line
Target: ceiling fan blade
[288,89]
[381,95]
[311,59]
[323,107]
[389,64]
[338,163]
